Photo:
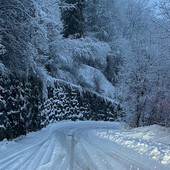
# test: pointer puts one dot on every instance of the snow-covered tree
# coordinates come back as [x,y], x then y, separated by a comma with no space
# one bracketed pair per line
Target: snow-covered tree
[16,26]
[143,80]
[100,19]
[2,48]
[73,19]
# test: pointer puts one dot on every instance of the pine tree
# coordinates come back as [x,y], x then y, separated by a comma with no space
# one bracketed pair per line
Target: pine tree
[73,19]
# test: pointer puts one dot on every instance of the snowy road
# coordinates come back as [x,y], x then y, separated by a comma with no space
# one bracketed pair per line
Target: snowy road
[84,151]
[72,146]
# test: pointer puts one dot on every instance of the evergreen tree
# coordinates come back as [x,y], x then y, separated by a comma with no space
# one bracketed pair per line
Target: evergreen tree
[73,19]
[17,28]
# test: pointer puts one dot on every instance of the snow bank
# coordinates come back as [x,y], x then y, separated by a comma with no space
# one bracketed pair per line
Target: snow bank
[95,80]
[154,141]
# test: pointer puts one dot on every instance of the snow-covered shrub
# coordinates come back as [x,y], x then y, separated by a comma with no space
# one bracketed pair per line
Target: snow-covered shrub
[2,49]
[68,102]
[74,55]
[87,51]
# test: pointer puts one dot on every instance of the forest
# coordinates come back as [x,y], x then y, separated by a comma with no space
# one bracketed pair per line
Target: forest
[83,60]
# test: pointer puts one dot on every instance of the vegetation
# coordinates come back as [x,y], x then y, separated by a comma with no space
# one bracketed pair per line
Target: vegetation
[119,50]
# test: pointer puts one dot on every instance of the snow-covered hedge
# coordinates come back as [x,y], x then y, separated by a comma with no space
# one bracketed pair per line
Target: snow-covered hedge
[67,102]
[22,109]
[19,102]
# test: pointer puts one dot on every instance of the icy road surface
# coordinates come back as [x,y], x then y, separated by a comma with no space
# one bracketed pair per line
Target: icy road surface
[73,146]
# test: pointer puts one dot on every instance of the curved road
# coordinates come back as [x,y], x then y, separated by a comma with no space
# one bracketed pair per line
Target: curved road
[72,147]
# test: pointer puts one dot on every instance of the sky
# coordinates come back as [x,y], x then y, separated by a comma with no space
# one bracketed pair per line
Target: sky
[153,1]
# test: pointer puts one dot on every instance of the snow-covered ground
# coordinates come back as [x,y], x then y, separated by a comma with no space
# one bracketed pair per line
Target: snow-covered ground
[88,146]
[150,141]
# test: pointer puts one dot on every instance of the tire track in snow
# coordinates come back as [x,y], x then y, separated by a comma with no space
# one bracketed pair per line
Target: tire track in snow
[16,160]
[83,159]
[6,165]
[33,163]
[72,147]
[103,162]
[112,156]
[26,159]
[110,159]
